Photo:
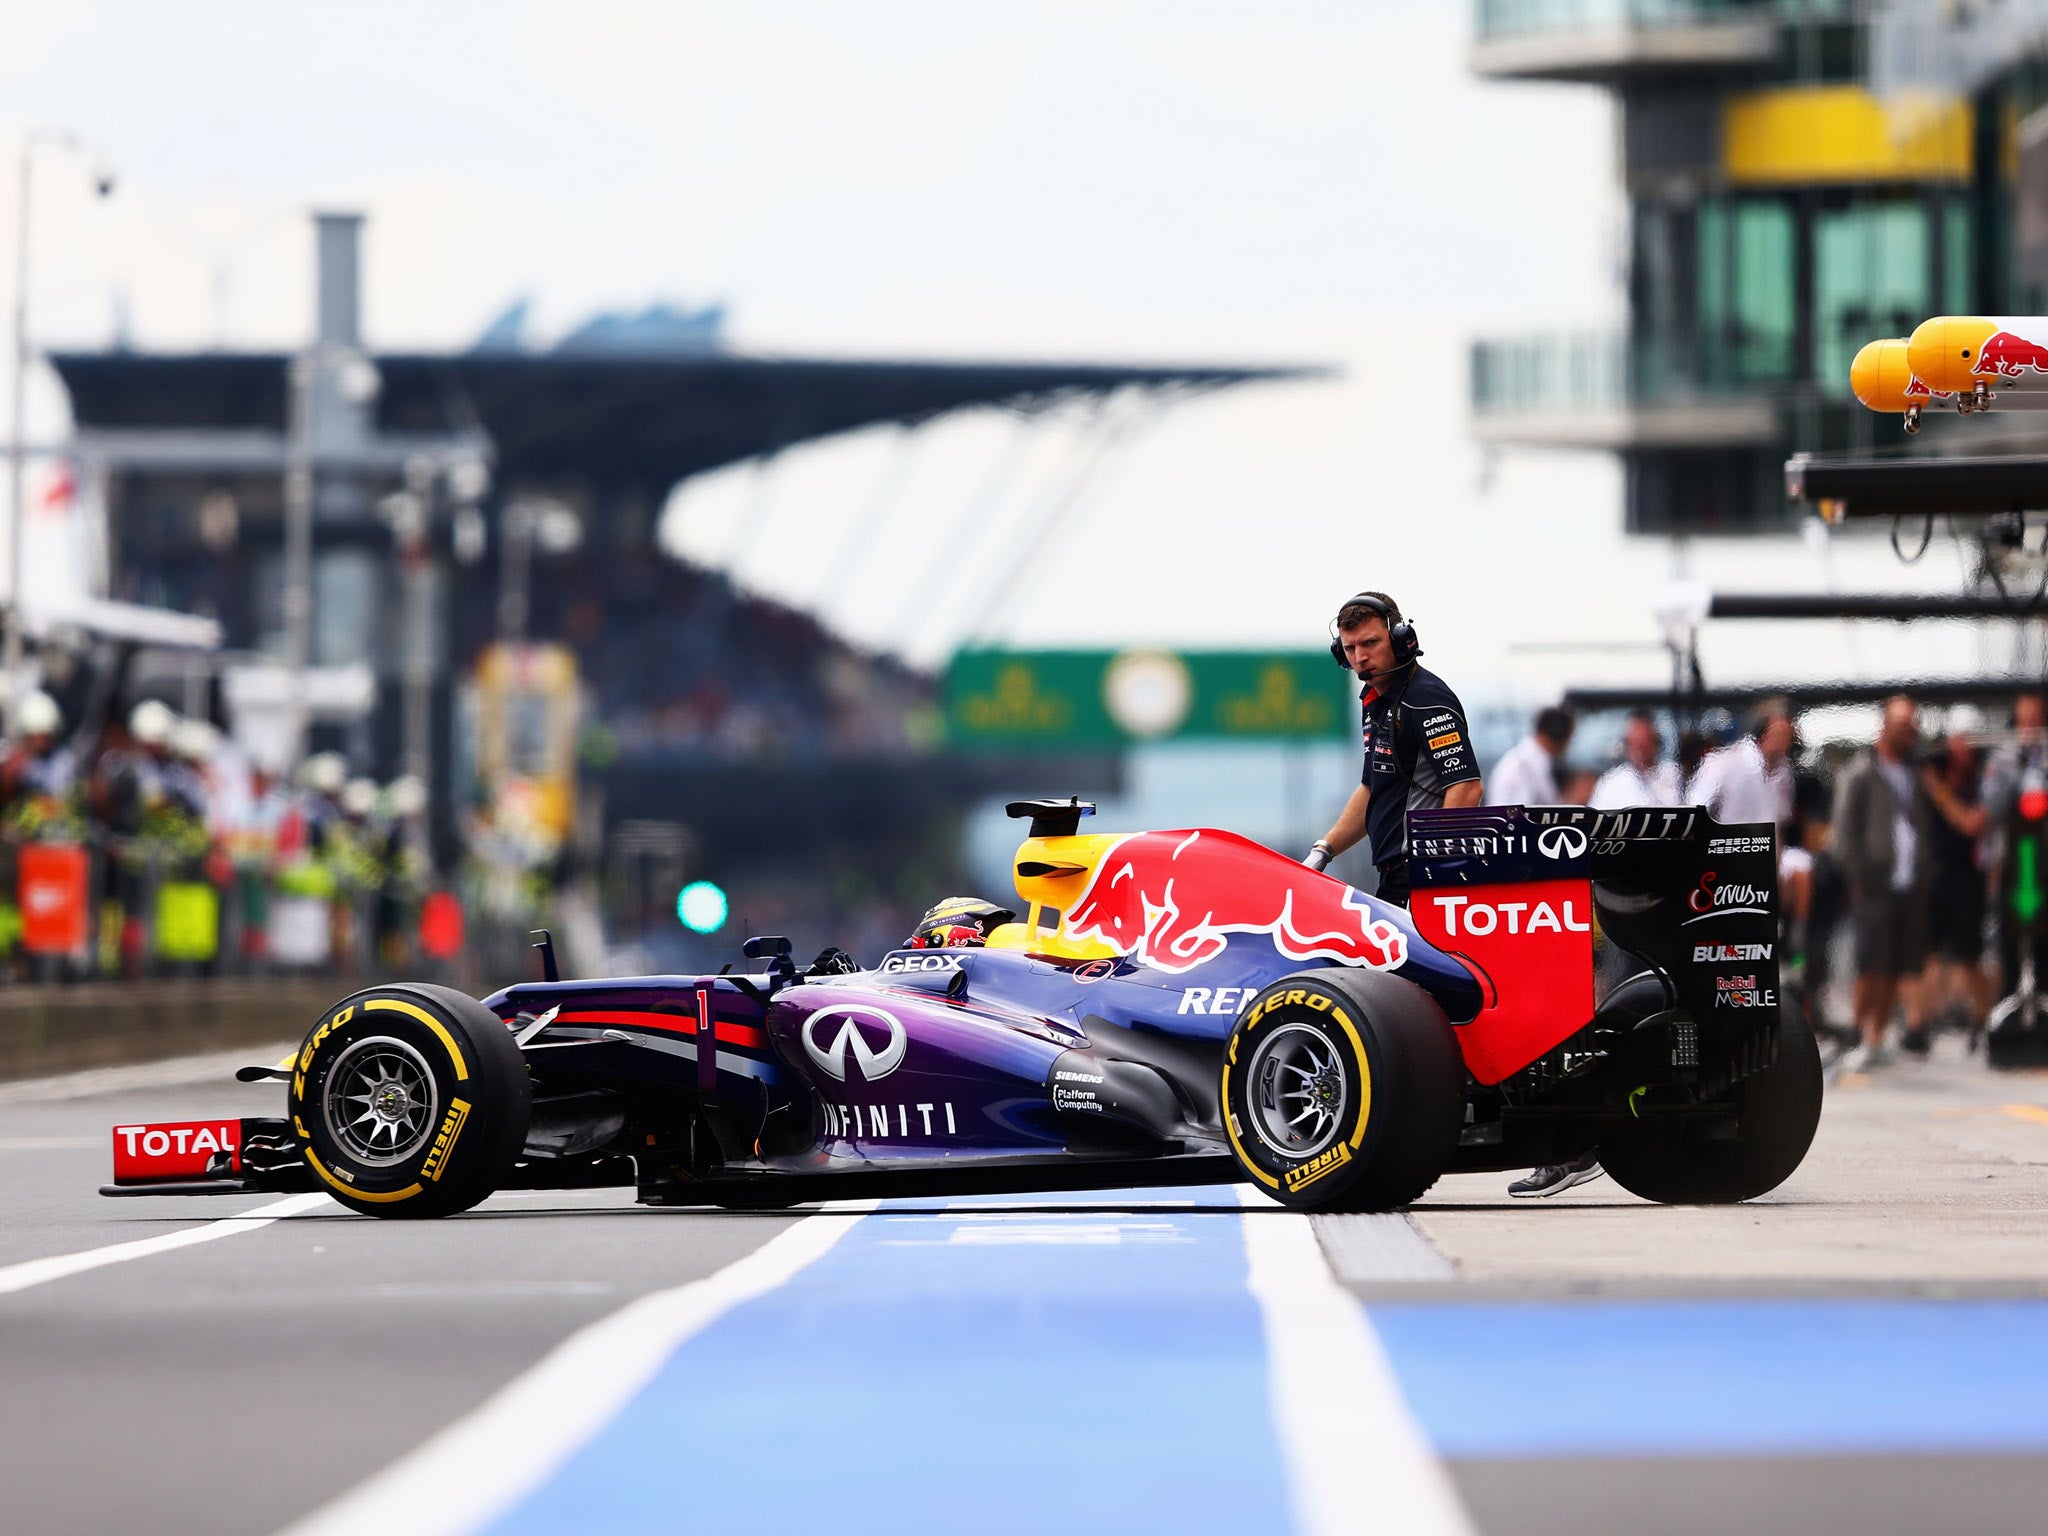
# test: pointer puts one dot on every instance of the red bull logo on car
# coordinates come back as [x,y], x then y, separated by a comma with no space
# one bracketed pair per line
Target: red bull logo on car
[1171,899]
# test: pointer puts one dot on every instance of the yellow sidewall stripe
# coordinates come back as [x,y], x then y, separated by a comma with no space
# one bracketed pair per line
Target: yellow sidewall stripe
[1364,1076]
[358,1194]
[1230,1129]
[393,1005]
[1364,1097]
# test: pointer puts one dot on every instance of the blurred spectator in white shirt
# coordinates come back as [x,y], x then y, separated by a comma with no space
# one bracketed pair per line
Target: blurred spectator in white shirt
[1527,772]
[1642,777]
[1750,780]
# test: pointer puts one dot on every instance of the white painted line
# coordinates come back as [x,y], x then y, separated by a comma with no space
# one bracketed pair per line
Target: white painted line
[19,1277]
[1357,1462]
[484,1464]
[1382,1247]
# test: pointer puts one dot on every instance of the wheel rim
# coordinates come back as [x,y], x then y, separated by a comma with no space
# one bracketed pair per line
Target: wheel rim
[1298,1094]
[380,1101]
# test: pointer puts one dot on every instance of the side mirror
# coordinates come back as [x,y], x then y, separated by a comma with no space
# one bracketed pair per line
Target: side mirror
[766,945]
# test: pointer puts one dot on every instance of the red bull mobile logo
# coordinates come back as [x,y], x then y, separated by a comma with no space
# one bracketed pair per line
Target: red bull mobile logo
[1170,900]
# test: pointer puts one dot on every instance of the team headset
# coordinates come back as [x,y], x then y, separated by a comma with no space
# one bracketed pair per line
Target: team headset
[1407,645]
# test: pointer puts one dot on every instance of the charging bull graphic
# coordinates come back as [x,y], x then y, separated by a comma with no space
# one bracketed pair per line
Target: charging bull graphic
[1169,899]
[2007,356]
[1959,352]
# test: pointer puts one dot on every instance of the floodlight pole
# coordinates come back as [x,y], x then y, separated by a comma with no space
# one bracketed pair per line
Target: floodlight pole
[416,560]
[17,448]
[298,544]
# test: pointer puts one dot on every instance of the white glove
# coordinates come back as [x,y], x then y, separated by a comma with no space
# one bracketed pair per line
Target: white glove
[1319,856]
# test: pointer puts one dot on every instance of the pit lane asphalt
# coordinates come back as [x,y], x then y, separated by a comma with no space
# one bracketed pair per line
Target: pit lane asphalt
[233,1386]
[237,1385]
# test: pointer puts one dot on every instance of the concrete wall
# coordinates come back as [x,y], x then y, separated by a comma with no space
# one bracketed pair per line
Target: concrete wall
[64,1029]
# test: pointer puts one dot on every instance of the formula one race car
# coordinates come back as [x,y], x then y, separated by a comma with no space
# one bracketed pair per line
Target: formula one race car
[1176,1007]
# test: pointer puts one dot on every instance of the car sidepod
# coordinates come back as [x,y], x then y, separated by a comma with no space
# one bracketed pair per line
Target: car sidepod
[905,1071]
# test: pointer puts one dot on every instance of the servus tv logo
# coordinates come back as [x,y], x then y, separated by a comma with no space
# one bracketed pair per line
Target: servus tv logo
[1712,898]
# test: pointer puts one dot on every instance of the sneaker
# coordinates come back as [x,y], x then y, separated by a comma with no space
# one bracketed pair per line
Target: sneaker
[1557,1177]
[1916,1042]
[1857,1059]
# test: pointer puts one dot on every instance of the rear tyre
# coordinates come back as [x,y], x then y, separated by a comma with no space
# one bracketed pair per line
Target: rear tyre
[1778,1110]
[1343,1091]
[410,1101]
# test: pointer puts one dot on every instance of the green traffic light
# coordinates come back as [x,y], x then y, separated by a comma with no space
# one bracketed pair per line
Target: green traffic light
[701,907]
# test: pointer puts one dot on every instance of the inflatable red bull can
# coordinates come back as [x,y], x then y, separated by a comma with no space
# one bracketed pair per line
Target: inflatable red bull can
[1959,352]
[1885,379]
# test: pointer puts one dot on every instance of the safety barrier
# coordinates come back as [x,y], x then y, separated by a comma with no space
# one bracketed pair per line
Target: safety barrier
[46,1030]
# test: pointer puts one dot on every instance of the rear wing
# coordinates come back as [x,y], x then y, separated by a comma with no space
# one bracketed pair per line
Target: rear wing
[1527,896]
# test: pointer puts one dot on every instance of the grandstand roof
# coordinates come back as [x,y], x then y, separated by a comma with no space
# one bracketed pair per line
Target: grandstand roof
[606,417]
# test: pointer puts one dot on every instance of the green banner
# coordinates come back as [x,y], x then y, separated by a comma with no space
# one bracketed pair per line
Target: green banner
[1083,699]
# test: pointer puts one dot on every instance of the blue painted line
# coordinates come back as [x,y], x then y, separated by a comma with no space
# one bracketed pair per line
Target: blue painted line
[1718,1378]
[976,1368]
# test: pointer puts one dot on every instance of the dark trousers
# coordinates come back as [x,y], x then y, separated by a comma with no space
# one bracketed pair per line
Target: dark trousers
[1393,882]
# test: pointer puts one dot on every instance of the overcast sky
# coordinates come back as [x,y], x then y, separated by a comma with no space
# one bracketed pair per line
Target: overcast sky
[1268,180]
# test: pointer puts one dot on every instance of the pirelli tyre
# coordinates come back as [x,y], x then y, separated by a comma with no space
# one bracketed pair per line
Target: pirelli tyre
[410,1101]
[1681,1161]
[1343,1090]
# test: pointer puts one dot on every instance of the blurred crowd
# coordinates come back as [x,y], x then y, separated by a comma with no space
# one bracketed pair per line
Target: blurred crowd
[1908,906]
[692,669]
[161,848]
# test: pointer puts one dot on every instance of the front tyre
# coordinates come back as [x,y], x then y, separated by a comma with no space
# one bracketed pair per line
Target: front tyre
[1777,1111]
[1343,1091]
[410,1101]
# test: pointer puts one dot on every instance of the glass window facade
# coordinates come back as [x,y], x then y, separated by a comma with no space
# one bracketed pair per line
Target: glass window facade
[1873,276]
[1748,290]
[1789,285]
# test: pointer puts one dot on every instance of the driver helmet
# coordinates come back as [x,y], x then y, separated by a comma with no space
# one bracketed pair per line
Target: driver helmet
[958,921]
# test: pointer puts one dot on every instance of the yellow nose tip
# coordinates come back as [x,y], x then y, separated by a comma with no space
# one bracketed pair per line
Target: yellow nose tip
[1880,375]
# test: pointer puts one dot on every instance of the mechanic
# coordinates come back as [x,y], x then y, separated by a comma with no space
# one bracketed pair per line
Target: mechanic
[1418,750]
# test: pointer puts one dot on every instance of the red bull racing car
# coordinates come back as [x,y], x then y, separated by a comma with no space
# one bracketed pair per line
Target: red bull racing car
[1171,1007]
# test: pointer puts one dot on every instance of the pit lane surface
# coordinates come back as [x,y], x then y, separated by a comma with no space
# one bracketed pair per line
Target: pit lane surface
[1867,1349]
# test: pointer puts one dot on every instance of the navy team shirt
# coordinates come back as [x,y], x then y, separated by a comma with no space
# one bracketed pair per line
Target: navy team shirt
[1415,739]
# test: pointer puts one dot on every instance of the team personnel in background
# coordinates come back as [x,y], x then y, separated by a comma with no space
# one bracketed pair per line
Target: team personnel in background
[1750,780]
[1957,986]
[1883,825]
[1643,776]
[1418,751]
[1527,772]
[2008,768]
